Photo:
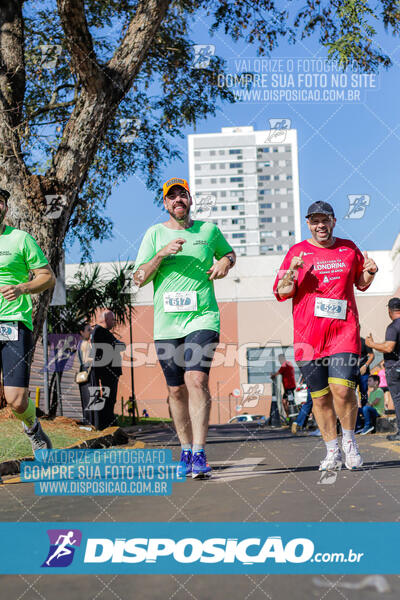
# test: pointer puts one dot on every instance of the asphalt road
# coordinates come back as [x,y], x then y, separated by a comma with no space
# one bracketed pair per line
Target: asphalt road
[258,475]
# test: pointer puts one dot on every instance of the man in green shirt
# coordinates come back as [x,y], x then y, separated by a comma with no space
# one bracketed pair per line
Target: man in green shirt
[20,255]
[376,405]
[178,257]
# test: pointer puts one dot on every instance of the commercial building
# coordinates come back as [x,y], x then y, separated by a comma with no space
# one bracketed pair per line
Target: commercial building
[247,183]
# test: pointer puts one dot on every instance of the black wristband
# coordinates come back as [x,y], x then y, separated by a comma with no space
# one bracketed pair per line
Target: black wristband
[372,272]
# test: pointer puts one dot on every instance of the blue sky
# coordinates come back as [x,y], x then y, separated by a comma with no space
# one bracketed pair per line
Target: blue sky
[344,148]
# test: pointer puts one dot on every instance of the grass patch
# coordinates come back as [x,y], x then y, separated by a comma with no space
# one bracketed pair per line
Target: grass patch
[124,421]
[15,444]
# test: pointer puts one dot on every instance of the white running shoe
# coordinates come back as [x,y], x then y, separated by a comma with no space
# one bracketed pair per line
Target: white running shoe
[352,455]
[332,461]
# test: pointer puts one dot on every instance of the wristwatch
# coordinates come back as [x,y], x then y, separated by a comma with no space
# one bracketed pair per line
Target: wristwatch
[373,272]
[230,258]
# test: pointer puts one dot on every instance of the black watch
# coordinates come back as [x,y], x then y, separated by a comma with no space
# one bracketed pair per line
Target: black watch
[230,258]
[373,272]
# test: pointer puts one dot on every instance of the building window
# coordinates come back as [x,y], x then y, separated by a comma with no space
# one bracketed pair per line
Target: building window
[198,167]
[264,177]
[266,220]
[263,149]
[213,166]
[197,181]
[288,149]
[236,179]
[237,165]
[238,235]
[214,208]
[212,152]
[266,205]
[234,207]
[213,180]
[289,177]
[221,151]
[222,180]
[223,207]
[222,165]
[284,219]
[197,153]
[234,151]
[276,177]
[222,194]
[279,248]
[291,233]
[275,149]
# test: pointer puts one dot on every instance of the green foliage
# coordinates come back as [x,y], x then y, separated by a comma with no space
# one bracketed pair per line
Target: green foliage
[89,292]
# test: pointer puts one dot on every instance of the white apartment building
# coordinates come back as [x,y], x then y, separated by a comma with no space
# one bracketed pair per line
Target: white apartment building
[247,183]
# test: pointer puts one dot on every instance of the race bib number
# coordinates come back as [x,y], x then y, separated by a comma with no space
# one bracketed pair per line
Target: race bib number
[180,301]
[329,307]
[8,332]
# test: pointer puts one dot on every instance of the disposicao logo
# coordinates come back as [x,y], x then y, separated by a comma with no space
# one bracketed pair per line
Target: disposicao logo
[62,547]
[190,550]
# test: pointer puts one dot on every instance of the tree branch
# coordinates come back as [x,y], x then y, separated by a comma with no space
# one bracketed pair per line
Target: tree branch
[128,58]
[93,114]
[80,45]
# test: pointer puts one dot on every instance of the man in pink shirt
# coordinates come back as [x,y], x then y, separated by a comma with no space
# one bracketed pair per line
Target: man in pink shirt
[319,274]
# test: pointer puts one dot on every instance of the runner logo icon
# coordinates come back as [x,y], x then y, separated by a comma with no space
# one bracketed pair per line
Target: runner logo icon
[62,547]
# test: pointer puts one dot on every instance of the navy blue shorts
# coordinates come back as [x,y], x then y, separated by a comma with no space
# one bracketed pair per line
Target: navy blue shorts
[194,352]
[341,368]
[15,357]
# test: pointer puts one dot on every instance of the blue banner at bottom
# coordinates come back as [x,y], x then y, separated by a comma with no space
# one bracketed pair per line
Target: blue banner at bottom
[292,548]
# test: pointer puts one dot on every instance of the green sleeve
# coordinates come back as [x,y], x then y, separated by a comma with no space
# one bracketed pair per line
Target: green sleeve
[33,254]
[378,395]
[221,246]
[146,252]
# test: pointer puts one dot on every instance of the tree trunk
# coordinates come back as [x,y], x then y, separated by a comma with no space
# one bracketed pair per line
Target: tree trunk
[103,88]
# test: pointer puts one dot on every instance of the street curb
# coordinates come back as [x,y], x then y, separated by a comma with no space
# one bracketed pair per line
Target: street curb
[115,436]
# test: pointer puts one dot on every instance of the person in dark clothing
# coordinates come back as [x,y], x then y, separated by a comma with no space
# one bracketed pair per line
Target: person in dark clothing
[84,352]
[106,370]
[366,357]
[391,356]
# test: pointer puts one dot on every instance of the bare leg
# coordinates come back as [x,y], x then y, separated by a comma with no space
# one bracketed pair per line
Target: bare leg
[345,402]
[285,405]
[178,402]
[325,416]
[199,404]
[17,398]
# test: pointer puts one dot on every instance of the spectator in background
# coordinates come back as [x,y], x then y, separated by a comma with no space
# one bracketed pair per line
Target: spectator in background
[106,370]
[366,357]
[383,383]
[305,411]
[375,407]
[391,356]
[288,381]
[145,414]
[84,351]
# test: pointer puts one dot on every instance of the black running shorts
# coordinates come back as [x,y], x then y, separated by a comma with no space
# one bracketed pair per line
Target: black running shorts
[341,368]
[194,352]
[15,357]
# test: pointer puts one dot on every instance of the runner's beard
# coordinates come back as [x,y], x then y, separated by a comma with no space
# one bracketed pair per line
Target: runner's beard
[181,219]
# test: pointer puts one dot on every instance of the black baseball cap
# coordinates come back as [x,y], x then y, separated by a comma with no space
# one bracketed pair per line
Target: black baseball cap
[320,207]
[394,304]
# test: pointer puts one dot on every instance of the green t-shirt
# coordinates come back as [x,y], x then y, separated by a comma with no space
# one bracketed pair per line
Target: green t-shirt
[184,272]
[379,397]
[19,253]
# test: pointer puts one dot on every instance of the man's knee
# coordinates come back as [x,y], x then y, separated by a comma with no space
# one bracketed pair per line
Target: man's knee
[343,393]
[177,392]
[196,379]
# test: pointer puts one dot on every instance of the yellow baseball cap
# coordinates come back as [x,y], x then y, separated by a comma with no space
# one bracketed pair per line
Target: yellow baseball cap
[174,181]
